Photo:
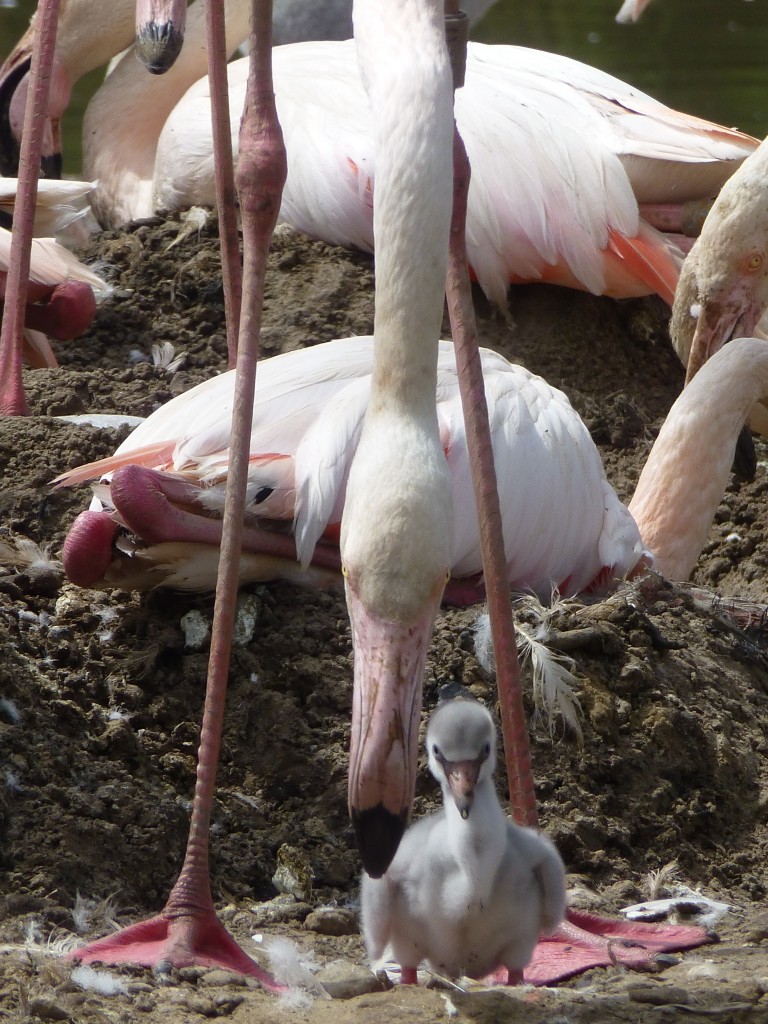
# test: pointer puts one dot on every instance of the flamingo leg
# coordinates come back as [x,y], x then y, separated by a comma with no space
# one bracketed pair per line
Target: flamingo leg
[188,931]
[12,399]
[223,170]
[582,941]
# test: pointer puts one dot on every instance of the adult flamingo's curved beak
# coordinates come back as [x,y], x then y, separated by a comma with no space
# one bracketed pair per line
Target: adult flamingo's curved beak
[389,660]
[731,313]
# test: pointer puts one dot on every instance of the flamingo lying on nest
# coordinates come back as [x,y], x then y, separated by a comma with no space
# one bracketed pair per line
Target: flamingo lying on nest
[61,292]
[154,522]
[308,415]
[468,890]
[567,214]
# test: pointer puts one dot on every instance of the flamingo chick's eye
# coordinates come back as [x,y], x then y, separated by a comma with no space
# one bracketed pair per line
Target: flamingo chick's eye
[486,749]
[436,750]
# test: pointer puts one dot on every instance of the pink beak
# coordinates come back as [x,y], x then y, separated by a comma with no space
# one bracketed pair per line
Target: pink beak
[389,667]
[462,779]
[733,316]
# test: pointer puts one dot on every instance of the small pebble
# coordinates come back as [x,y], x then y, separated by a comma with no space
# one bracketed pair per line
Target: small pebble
[279,910]
[332,921]
[218,976]
[659,995]
[246,617]
[343,979]
[47,1009]
[196,629]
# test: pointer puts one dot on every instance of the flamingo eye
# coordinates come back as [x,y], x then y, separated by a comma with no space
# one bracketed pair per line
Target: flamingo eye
[486,749]
[755,261]
[436,750]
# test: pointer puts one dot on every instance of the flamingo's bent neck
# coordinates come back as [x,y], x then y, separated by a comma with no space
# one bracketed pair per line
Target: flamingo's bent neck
[686,473]
[124,119]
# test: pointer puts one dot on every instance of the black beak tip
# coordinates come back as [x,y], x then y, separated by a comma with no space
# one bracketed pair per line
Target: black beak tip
[158,46]
[378,833]
[51,166]
[745,457]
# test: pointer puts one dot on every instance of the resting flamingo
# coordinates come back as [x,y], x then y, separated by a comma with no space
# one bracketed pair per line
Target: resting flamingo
[164,484]
[61,292]
[567,214]
[578,224]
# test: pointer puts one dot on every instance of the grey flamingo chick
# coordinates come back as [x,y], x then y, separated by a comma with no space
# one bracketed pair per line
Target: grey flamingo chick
[468,891]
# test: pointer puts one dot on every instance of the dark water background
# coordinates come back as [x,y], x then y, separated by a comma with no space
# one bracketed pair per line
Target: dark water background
[708,57]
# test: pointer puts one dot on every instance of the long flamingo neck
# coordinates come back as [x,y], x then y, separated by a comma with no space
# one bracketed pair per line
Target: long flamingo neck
[124,119]
[82,46]
[687,471]
[477,842]
[412,200]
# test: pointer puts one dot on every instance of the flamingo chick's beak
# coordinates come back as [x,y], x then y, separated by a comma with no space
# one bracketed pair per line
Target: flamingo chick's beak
[389,660]
[160,33]
[462,778]
[733,314]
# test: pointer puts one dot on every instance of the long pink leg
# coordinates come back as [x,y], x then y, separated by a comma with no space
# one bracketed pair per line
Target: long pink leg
[223,170]
[12,399]
[188,930]
[583,941]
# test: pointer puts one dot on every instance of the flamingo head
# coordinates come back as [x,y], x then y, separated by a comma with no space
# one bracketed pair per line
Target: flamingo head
[723,287]
[461,746]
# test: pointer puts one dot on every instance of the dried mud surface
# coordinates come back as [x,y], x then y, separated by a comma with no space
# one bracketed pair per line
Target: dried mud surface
[100,700]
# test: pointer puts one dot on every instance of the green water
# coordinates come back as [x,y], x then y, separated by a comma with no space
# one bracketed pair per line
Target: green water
[708,57]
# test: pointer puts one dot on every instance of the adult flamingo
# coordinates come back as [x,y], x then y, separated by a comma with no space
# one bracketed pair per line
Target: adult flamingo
[595,240]
[308,415]
[568,214]
[166,485]
[62,292]
[76,53]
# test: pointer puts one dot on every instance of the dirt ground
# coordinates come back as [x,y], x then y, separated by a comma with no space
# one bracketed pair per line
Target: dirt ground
[100,700]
